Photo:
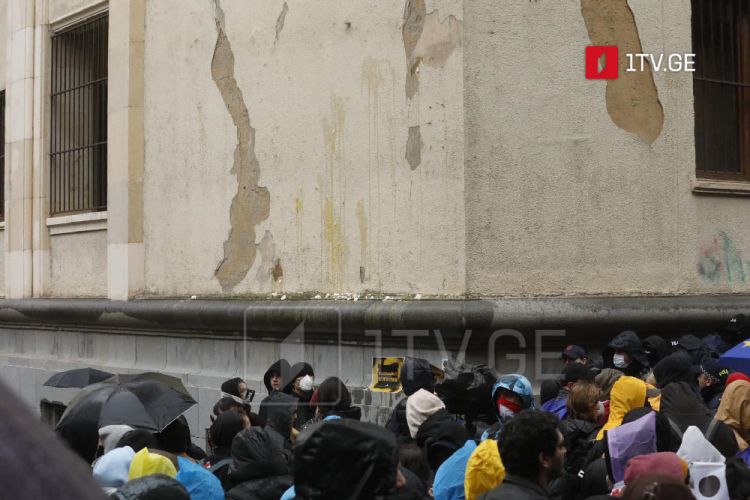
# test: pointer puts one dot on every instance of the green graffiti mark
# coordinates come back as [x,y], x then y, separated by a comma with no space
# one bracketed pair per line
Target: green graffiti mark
[720,260]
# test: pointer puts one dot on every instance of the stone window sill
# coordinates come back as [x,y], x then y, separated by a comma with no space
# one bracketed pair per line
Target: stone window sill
[729,188]
[78,223]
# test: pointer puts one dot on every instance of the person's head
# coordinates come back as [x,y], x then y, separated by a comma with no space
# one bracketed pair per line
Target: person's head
[81,436]
[277,376]
[225,404]
[531,446]
[276,380]
[175,438]
[419,407]
[236,387]
[328,461]
[332,395]
[512,393]
[621,359]
[677,367]
[416,373]
[574,354]
[302,377]
[138,439]
[576,372]
[226,426]
[657,487]
[712,373]
[411,457]
[583,401]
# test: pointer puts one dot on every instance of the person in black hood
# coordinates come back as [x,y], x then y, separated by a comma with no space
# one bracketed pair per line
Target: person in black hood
[222,432]
[656,348]
[153,487]
[259,469]
[694,347]
[625,352]
[416,374]
[301,386]
[330,463]
[278,411]
[333,401]
[681,406]
[676,367]
[439,437]
[277,376]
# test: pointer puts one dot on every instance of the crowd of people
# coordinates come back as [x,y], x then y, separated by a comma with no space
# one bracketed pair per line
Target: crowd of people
[653,419]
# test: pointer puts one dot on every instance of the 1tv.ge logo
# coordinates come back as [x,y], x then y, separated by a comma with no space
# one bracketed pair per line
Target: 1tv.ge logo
[602,62]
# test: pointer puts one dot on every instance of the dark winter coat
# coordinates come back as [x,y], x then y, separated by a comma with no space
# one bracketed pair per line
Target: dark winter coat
[680,404]
[439,437]
[153,487]
[259,469]
[516,488]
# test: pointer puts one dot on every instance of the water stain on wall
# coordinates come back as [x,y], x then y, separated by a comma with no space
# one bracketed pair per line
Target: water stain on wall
[414,146]
[267,251]
[632,99]
[720,261]
[333,233]
[252,203]
[427,40]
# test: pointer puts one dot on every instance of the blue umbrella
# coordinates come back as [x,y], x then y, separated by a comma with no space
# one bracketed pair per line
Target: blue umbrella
[738,357]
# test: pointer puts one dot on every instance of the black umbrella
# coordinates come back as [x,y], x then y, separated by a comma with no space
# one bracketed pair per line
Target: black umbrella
[80,377]
[173,382]
[144,404]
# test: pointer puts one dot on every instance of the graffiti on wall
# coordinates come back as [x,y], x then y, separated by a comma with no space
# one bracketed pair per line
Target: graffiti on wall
[720,262]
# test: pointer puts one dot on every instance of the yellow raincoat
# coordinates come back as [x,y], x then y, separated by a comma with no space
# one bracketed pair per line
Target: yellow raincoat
[485,470]
[734,411]
[628,393]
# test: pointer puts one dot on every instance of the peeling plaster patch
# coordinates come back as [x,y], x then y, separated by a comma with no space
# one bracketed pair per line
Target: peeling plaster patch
[427,40]
[632,99]
[414,146]
[252,203]
[280,21]
[267,250]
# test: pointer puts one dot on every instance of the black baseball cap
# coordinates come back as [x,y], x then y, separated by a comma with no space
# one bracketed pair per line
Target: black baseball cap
[573,352]
[577,372]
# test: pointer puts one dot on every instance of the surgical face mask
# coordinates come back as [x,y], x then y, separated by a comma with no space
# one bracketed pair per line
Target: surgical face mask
[306,383]
[619,361]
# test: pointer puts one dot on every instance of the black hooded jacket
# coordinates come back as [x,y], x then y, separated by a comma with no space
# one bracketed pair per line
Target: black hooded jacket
[439,437]
[259,469]
[282,368]
[345,460]
[416,373]
[630,343]
[680,404]
[656,348]
[677,367]
[277,410]
[153,487]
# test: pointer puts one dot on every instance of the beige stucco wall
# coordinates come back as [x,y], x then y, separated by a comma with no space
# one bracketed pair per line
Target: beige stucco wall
[559,199]
[78,264]
[328,104]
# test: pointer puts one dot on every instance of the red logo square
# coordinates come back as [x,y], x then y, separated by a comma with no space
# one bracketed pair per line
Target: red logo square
[601,62]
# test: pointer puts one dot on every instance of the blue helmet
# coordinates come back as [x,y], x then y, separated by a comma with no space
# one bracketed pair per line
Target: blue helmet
[517,384]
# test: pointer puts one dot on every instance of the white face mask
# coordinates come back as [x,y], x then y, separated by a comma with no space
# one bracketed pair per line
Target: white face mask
[306,383]
[619,361]
[506,412]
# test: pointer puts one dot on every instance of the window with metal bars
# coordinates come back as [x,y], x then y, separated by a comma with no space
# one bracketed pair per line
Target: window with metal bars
[78,129]
[721,87]
[2,155]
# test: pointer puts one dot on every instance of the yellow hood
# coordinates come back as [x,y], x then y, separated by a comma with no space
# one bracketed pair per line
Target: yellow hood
[628,393]
[484,471]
